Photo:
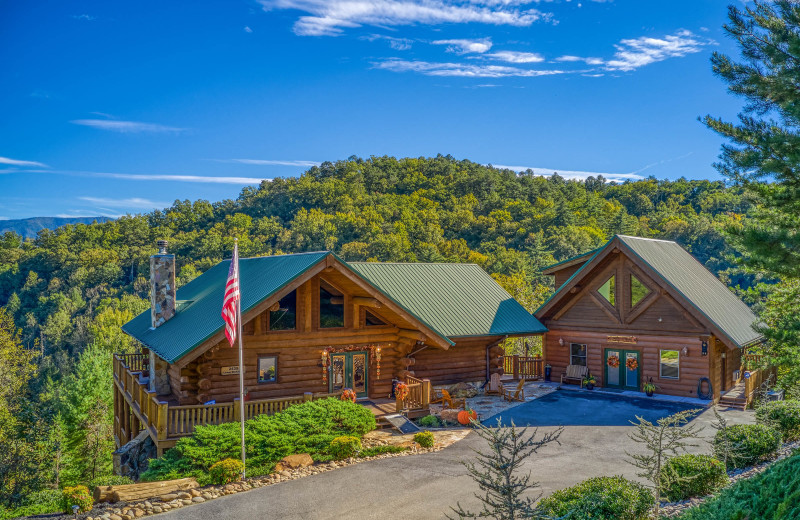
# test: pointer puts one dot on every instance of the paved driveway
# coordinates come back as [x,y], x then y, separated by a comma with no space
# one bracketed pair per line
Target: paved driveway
[425,486]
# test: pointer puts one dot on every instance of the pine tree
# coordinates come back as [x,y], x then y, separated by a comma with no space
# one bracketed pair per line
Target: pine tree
[666,438]
[495,471]
[764,153]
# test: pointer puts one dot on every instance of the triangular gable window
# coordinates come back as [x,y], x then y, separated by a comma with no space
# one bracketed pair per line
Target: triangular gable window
[639,291]
[609,290]
[370,320]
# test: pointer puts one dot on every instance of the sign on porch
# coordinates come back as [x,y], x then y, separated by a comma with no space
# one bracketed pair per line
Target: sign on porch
[229,371]
[621,339]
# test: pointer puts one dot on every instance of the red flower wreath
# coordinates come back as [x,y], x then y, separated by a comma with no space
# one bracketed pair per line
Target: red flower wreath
[631,363]
[348,395]
[613,361]
[401,391]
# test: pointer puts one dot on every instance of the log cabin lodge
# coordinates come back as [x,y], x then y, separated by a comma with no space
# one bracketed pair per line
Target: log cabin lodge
[314,325]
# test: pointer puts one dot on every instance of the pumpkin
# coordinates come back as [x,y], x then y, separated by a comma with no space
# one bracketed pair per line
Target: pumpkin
[464,416]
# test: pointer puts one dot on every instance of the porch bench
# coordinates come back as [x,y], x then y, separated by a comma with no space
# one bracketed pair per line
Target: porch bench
[575,373]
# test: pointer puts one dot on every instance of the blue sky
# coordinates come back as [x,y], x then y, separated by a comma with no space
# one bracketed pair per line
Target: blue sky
[115,107]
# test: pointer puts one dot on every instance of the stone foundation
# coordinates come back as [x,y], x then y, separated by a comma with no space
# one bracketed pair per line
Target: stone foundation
[131,460]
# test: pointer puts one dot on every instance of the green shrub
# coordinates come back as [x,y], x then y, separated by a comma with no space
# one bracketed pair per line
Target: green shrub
[424,439]
[750,444]
[303,428]
[689,475]
[429,421]
[344,447]
[76,496]
[784,416]
[109,480]
[38,503]
[380,450]
[600,498]
[773,494]
[226,471]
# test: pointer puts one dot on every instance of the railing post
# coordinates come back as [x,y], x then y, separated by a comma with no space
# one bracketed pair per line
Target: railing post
[161,420]
[398,406]
[515,365]
[308,396]
[237,410]
[426,393]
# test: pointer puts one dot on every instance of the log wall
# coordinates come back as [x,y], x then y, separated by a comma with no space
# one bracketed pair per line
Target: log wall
[465,361]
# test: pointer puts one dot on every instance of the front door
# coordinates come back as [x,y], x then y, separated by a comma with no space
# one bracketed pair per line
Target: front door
[622,369]
[349,370]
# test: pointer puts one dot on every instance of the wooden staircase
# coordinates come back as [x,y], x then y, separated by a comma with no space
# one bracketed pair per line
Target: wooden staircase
[736,397]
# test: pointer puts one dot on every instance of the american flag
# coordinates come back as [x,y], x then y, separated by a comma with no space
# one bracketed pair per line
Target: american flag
[231,302]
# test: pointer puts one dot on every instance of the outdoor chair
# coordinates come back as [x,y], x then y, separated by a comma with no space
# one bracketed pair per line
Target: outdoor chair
[575,373]
[517,394]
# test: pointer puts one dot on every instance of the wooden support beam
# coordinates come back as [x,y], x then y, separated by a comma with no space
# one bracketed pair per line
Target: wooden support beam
[412,334]
[367,302]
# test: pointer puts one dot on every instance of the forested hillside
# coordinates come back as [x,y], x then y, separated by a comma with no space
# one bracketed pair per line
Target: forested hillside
[69,290]
[29,227]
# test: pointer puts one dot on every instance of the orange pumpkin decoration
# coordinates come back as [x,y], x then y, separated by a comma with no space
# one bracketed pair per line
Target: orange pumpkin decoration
[464,416]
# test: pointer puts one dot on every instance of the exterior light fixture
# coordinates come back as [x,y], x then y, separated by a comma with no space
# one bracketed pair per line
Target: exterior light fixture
[561,341]
[685,351]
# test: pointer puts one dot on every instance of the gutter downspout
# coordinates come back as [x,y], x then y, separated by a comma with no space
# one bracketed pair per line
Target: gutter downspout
[488,347]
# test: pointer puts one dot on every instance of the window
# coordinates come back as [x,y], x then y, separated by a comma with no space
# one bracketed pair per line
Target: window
[370,320]
[331,306]
[577,354]
[670,364]
[268,369]
[639,291]
[285,317]
[609,290]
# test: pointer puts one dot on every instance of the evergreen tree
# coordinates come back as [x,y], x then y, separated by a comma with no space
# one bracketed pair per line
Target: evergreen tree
[764,153]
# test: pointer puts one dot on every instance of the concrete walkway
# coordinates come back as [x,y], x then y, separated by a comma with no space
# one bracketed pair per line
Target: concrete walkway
[594,443]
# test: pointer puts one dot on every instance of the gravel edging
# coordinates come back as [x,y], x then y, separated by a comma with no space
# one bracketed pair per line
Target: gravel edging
[672,509]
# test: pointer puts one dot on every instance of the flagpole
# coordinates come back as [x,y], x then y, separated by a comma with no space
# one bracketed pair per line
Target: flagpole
[241,355]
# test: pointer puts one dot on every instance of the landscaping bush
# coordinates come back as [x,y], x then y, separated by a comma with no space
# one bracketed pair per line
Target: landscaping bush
[76,496]
[600,498]
[689,475]
[344,447]
[226,471]
[424,439]
[429,421]
[750,444]
[380,450]
[784,416]
[39,503]
[304,428]
[109,480]
[773,494]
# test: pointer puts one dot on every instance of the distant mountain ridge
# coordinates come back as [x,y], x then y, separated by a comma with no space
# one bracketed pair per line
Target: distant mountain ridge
[29,227]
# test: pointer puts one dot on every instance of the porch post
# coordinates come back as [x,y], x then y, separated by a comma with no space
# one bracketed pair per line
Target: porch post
[515,365]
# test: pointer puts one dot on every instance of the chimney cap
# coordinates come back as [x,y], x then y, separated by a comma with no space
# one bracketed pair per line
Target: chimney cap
[162,247]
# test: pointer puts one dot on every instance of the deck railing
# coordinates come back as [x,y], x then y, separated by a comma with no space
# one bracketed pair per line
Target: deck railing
[526,367]
[419,395]
[164,421]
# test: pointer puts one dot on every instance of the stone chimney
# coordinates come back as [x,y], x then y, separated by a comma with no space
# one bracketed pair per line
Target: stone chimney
[162,286]
[162,308]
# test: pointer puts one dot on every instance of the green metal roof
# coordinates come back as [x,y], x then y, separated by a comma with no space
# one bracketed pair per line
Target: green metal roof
[704,291]
[571,259]
[200,316]
[455,300]
[698,285]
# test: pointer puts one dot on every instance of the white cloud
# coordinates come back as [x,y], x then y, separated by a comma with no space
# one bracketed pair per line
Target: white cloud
[152,177]
[634,53]
[84,17]
[247,29]
[269,162]
[398,44]
[571,174]
[18,162]
[76,213]
[588,61]
[134,202]
[331,17]
[460,69]
[126,126]
[516,57]
[466,46]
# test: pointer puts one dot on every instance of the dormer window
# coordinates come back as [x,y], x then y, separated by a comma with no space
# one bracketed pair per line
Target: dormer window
[331,306]
[609,290]
[639,291]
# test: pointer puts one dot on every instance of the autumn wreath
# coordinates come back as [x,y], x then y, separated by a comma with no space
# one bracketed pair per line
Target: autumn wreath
[348,395]
[631,363]
[401,391]
[613,361]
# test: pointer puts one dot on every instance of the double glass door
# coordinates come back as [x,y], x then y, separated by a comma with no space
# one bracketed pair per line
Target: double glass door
[349,370]
[622,369]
